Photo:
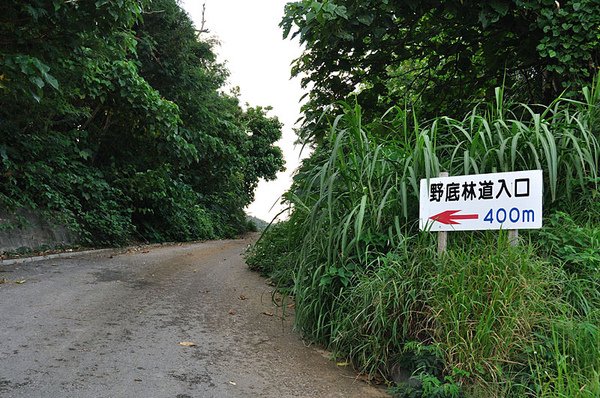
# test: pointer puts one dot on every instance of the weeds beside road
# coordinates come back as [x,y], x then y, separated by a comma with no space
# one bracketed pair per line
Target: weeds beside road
[484,320]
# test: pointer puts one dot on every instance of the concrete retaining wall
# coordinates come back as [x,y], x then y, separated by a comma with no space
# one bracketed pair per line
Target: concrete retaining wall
[36,233]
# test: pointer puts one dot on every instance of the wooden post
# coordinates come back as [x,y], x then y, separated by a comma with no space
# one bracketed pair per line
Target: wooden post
[442,235]
[513,237]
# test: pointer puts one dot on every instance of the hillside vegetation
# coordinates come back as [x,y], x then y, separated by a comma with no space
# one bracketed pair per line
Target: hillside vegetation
[485,319]
[113,121]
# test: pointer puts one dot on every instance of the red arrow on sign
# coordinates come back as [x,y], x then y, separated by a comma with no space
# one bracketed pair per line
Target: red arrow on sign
[449,217]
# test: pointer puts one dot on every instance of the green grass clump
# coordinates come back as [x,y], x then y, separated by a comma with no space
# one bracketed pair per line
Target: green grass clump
[487,298]
[484,320]
[271,254]
[385,308]
[478,304]
[566,358]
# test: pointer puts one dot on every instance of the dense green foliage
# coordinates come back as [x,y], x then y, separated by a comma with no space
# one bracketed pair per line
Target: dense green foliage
[113,121]
[484,320]
[403,90]
[440,56]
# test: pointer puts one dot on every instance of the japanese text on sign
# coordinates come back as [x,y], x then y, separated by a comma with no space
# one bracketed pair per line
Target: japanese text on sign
[485,201]
[482,190]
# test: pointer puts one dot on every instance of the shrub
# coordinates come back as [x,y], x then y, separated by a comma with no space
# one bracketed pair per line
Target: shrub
[271,255]
[166,209]
[368,285]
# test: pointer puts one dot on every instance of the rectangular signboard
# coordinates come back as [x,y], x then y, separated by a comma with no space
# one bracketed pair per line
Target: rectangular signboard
[483,201]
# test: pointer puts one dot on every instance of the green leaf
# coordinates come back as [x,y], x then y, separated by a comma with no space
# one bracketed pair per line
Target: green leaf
[366,19]
[51,80]
[342,11]
[483,19]
[36,97]
[500,7]
[344,35]
[37,81]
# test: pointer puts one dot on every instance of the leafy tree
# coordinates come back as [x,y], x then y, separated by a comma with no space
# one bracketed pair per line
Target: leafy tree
[113,120]
[263,160]
[230,161]
[442,54]
[60,64]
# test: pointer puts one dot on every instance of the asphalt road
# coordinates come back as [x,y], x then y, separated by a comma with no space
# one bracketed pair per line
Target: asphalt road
[110,324]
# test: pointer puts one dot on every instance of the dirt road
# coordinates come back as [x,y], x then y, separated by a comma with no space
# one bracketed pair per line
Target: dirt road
[110,324]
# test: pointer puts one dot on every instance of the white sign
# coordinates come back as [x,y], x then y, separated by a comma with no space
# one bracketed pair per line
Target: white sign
[483,201]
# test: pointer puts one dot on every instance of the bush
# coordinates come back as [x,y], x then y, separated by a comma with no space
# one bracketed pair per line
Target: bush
[166,209]
[271,254]
[575,245]
[487,298]
[368,285]
[386,308]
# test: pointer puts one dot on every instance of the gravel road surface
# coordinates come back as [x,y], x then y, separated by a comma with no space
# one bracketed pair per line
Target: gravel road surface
[111,324]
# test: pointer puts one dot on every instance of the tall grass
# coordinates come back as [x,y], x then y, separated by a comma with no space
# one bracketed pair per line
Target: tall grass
[366,282]
[566,362]
[384,309]
[487,299]
[562,139]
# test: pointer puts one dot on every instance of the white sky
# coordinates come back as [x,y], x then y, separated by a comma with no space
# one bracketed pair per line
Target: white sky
[259,61]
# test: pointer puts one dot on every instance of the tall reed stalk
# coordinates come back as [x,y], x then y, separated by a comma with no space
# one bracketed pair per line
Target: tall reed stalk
[364,279]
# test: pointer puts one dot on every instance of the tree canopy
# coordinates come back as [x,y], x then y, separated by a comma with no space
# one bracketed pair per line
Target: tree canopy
[113,115]
[442,55]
